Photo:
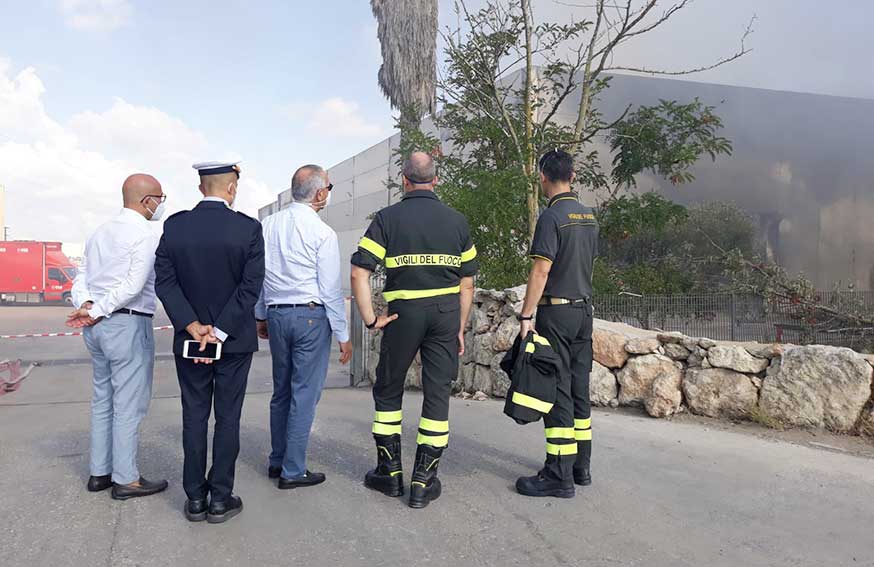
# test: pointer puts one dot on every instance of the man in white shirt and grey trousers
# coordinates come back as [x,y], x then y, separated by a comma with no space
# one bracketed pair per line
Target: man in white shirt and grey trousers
[300,307]
[115,294]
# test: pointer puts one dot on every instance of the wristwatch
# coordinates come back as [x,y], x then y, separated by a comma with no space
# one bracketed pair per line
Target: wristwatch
[523,318]
[372,325]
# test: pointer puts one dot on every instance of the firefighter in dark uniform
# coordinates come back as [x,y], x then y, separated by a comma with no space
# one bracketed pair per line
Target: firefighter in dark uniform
[430,262]
[560,288]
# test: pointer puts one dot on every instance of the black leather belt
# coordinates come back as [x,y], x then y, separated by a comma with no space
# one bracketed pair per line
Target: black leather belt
[131,312]
[311,305]
[562,301]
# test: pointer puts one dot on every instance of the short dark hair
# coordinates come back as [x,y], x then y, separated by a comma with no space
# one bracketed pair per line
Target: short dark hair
[557,165]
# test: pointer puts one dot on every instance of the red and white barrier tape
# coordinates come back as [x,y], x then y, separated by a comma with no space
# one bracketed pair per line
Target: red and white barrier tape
[73,334]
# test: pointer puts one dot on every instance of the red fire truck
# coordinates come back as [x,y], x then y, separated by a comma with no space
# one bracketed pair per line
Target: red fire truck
[34,272]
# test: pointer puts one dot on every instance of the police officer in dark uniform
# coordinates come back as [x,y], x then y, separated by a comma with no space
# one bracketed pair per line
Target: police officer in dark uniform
[560,288]
[430,262]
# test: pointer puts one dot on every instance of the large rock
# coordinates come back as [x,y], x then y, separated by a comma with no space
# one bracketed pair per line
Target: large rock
[637,377]
[643,346]
[736,358]
[719,392]
[676,351]
[766,350]
[817,386]
[464,382]
[507,332]
[665,397]
[482,380]
[479,321]
[482,348]
[602,385]
[691,343]
[674,337]
[608,348]
[866,422]
[500,380]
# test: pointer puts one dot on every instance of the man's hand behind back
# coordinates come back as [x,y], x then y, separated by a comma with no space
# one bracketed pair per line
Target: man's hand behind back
[81,318]
[203,334]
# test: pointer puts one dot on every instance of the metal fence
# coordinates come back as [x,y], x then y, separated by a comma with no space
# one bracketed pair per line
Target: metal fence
[736,317]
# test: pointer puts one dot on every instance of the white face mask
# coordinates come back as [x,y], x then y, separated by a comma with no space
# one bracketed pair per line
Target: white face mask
[324,203]
[158,213]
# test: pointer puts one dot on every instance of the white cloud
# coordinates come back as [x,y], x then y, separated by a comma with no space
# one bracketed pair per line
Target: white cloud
[332,117]
[62,180]
[96,15]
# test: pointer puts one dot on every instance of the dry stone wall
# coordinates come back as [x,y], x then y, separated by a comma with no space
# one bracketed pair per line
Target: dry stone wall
[668,373]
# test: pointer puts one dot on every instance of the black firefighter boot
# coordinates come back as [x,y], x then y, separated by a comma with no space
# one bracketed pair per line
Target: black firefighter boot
[388,476]
[549,481]
[582,474]
[425,486]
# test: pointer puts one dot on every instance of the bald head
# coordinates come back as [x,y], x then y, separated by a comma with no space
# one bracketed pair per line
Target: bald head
[419,171]
[137,187]
[217,185]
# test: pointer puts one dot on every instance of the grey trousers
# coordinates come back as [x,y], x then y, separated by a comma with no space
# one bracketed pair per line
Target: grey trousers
[122,351]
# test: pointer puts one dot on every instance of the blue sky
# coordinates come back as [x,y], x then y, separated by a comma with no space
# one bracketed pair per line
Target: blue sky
[91,90]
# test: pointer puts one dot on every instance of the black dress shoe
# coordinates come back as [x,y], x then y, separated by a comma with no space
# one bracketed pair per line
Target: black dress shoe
[274,472]
[308,479]
[195,510]
[220,512]
[583,477]
[98,483]
[145,488]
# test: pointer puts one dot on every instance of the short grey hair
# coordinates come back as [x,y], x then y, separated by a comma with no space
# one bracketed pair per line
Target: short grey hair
[420,168]
[306,181]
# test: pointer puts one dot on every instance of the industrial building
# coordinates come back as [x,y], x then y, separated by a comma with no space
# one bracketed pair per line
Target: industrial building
[801,165]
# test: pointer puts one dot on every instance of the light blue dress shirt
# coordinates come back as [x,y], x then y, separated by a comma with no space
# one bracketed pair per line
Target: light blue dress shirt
[302,265]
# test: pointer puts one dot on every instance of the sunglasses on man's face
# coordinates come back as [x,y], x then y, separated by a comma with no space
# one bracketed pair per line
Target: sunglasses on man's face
[159,198]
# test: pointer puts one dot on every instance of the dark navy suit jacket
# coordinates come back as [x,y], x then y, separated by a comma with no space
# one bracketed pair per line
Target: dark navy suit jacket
[209,267]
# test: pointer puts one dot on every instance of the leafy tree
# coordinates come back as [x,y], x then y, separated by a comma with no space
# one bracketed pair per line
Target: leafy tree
[498,123]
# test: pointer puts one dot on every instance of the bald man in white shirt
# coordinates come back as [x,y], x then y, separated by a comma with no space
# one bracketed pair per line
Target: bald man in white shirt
[115,292]
[301,307]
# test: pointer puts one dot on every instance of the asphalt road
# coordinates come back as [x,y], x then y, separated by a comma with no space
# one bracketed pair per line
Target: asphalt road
[665,493]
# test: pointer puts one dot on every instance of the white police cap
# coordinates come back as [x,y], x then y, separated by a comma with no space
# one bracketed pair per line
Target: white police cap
[217,167]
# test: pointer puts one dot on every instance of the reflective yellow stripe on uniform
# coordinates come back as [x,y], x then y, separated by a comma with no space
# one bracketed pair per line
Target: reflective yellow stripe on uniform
[433,425]
[372,246]
[386,429]
[419,293]
[533,403]
[469,254]
[559,432]
[567,449]
[388,416]
[583,435]
[540,340]
[529,347]
[583,423]
[423,260]
[433,440]
[387,422]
